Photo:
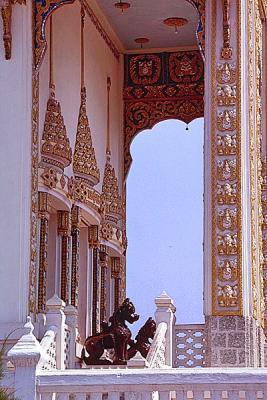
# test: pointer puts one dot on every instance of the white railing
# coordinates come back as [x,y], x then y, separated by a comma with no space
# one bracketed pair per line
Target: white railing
[189,346]
[48,344]
[156,354]
[148,384]
[67,347]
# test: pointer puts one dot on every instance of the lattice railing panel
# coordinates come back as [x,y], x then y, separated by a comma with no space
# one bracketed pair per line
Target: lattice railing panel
[189,346]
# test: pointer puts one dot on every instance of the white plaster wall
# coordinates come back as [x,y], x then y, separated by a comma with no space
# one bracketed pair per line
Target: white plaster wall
[100,63]
[15,169]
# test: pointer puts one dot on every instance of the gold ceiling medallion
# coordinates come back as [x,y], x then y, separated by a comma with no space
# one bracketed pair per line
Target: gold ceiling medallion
[6,12]
[175,22]
[56,150]
[141,41]
[226,51]
[122,5]
[84,159]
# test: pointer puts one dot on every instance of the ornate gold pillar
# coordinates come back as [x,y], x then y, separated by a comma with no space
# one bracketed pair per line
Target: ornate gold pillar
[64,231]
[264,232]
[116,270]
[103,259]
[93,241]
[43,240]
[75,240]
[233,270]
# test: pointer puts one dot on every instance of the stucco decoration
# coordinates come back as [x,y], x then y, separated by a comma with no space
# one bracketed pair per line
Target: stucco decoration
[42,10]
[56,149]
[111,198]
[6,13]
[160,86]
[84,160]
[200,7]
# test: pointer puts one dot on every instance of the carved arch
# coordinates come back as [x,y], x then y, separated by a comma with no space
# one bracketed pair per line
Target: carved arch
[199,5]
[42,9]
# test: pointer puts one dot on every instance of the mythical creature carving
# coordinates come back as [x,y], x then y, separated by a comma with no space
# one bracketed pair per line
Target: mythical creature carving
[142,341]
[114,335]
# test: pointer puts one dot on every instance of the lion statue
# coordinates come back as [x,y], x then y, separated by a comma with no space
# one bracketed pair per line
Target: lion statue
[114,335]
[143,339]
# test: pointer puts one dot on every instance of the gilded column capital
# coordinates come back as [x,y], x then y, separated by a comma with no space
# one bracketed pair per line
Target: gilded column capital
[93,236]
[103,256]
[43,204]
[116,267]
[63,223]
[75,217]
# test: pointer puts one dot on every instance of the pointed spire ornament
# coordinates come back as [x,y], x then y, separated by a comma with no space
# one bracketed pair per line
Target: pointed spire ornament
[111,199]
[84,159]
[56,150]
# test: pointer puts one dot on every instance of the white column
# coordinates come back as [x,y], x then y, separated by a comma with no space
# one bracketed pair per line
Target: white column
[71,314]
[165,313]
[15,168]
[25,356]
[55,317]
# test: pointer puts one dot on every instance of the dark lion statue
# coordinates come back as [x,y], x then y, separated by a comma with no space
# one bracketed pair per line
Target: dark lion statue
[114,335]
[143,339]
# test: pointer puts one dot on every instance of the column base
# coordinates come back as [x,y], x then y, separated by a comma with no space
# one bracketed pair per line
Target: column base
[234,341]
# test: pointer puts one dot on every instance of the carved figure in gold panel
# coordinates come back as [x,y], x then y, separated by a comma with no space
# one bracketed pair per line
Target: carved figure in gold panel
[226,145]
[226,170]
[227,244]
[226,120]
[228,270]
[227,296]
[226,73]
[226,95]
[226,193]
[227,219]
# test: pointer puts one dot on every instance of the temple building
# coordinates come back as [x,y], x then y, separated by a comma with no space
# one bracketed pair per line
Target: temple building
[79,79]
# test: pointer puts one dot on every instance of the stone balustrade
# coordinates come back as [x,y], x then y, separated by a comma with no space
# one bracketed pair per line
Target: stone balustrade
[156,354]
[146,384]
[48,344]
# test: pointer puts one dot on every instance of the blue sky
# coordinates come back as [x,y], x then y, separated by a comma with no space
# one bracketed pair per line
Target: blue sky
[165,219]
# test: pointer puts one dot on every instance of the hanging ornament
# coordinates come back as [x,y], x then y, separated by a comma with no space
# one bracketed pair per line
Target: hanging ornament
[141,41]
[122,5]
[175,22]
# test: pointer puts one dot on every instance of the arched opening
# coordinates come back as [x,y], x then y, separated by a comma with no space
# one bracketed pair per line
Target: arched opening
[165,219]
